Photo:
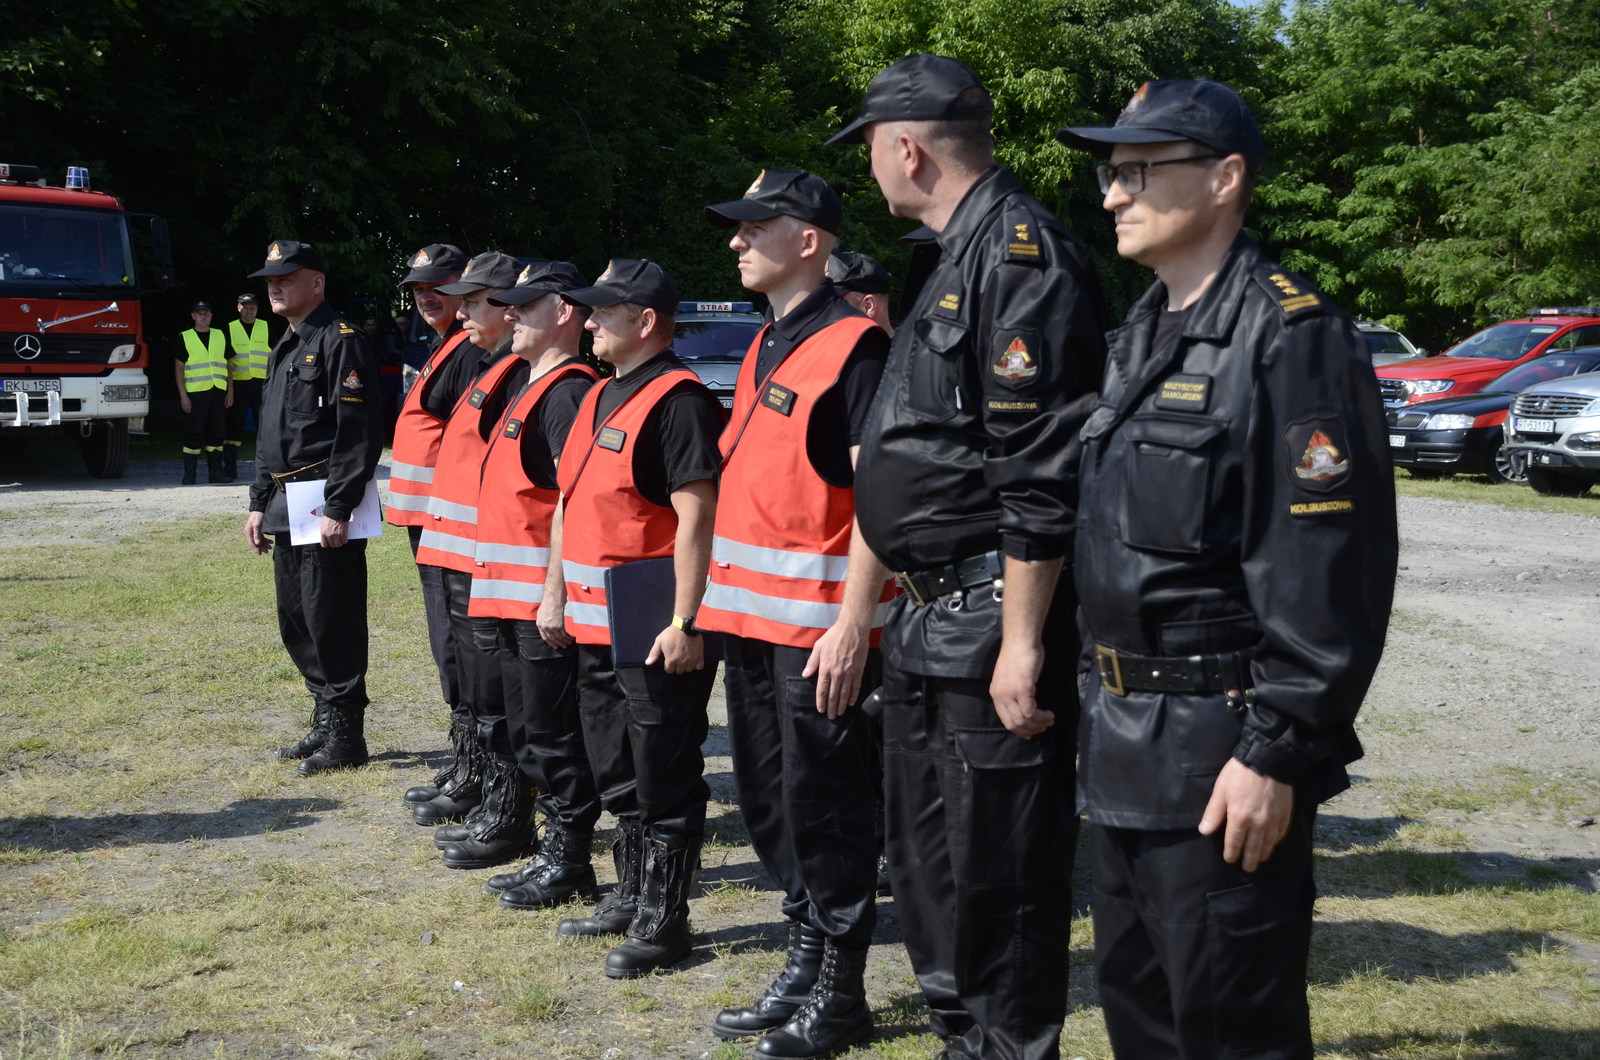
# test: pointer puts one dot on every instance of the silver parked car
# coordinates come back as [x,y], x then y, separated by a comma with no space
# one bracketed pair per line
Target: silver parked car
[1554,432]
[1386,344]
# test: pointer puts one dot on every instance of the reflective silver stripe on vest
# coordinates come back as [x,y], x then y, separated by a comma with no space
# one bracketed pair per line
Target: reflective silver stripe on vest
[408,502]
[454,544]
[805,565]
[461,513]
[806,614]
[582,574]
[588,614]
[517,555]
[411,472]
[505,589]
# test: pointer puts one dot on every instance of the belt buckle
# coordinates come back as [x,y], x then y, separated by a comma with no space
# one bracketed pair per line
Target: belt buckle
[1111,678]
[910,587]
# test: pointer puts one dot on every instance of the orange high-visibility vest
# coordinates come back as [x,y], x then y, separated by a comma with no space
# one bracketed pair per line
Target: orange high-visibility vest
[781,546]
[514,514]
[416,445]
[450,530]
[607,520]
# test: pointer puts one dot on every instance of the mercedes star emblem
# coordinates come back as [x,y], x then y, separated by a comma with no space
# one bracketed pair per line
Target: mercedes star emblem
[28,347]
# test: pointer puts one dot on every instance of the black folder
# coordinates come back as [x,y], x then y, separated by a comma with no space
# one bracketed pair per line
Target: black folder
[639,597]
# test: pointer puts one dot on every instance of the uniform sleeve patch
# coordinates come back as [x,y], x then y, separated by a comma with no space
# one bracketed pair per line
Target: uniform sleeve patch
[1013,406]
[353,380]
[348,400]
[778,397]
[612,439]
[1335,506]
[1184,393]
[1016,358]
[1318,454]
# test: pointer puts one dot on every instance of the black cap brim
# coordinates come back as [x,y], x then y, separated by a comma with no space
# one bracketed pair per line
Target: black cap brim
[1101,138]
[461,287]
[598,295]
[520,295]
[731,214]
[428,275]
[854,133]
[281,269]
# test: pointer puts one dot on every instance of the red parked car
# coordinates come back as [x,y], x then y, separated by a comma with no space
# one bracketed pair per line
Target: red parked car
[1472,363]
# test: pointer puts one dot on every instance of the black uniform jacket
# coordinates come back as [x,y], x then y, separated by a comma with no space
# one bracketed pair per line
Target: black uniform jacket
[1236,493]
[971,444]
[318,405]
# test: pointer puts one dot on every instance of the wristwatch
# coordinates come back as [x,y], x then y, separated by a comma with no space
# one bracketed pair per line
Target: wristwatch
[685,624]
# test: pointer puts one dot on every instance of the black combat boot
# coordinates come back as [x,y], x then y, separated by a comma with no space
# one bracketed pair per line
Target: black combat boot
[311,741]
[658,937]
[561,870]
[459,735]
[462,794]
[834,1017]
[501,882]
[230,462]
[614,912]
[346,746]
[214,467]
[191,467]
[504,830]
[786,994]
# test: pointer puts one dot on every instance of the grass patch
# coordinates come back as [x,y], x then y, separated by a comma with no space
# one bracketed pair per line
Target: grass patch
[1475,489]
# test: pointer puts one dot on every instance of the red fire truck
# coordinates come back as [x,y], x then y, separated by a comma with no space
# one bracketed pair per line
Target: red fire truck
[72,345]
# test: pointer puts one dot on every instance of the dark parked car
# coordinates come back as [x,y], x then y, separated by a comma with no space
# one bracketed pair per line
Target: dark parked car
[1467,433]
[712,338]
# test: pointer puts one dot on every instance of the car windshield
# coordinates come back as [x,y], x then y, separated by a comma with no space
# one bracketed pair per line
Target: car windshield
[40,246]
[1380,343]
[1543,369]
[721,340]
[1504,342]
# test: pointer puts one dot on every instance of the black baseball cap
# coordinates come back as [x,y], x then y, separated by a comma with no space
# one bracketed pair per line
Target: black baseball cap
[285,256]
[199,306]
[782,193]
[852,271]
[629,280]
[489,269]
[247,299]
[1206,112]
[920,88]
[539,278]
[434,263]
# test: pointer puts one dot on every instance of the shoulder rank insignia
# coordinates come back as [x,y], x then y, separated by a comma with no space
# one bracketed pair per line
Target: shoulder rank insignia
[1318,454]
[1295,298]
[353,380]
[1022,243]
[1017,363]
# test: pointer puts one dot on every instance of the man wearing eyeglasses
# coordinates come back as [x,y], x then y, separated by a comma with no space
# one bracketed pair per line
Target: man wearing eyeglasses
[965,486]
[1235,560]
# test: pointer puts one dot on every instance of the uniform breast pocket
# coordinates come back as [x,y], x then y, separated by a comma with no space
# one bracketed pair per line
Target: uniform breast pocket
[303,395]
[935,374]
[1170,467]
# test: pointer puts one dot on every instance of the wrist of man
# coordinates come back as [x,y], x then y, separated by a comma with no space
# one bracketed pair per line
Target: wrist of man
[685,625]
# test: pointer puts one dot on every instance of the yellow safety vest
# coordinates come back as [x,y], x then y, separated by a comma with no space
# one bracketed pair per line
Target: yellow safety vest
[250,350]
[206,366]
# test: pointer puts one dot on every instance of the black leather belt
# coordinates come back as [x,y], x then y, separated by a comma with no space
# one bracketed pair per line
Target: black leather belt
[926,586]
[1121,672]
[305,474]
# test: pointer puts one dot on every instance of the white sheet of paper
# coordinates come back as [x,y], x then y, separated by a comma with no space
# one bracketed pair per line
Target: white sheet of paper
[305,512]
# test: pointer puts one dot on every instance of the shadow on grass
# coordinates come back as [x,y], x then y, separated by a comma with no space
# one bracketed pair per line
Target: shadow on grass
[240,818]
[1406,953]
[1500,1041]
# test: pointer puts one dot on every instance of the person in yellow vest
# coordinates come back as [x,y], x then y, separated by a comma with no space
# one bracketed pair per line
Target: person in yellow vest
[248,349]
[205,391]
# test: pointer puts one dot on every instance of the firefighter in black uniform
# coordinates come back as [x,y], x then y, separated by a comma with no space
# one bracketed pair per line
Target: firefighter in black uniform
[1235,561]
[966,486]
[318,423]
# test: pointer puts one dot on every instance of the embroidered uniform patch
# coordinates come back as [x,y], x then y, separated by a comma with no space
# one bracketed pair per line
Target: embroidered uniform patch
[1022,244]
[1017,362]
[1337,506]
[778,397]
[477,399]
[353,381]
[1184,393]
[421,261]
[513,428]
[275,254]
[612,439]
[1318,454]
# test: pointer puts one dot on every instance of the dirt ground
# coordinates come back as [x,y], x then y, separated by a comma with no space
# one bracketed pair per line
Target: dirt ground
[1490,670]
